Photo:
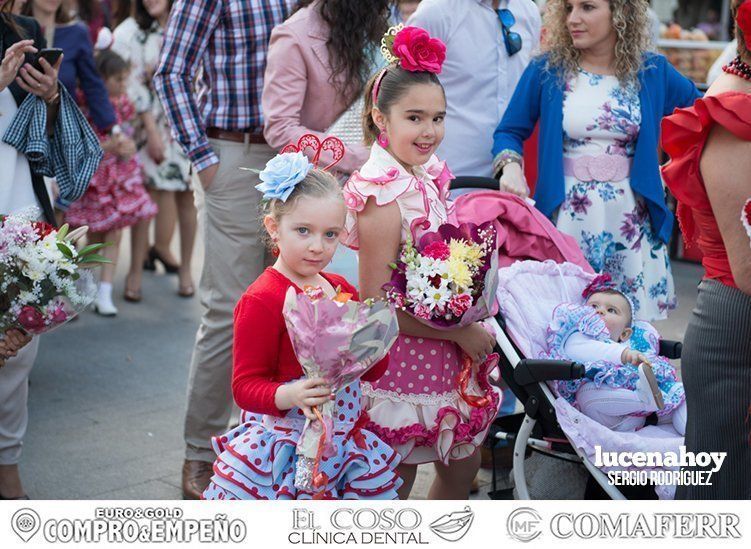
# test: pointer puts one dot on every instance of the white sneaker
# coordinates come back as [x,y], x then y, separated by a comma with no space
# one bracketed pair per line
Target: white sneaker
[649,391]
[103,305]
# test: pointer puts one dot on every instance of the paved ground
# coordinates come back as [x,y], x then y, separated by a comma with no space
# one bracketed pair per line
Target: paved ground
[107,396]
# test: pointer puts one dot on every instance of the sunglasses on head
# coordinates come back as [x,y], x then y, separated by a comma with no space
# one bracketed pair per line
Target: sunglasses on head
[512,40]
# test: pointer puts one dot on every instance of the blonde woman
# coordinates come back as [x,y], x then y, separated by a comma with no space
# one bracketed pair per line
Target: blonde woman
[599,96]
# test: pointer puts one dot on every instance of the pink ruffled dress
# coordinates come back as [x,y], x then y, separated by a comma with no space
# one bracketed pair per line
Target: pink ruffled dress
[415,406]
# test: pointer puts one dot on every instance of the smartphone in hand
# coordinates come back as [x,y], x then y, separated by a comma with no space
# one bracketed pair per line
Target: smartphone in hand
[51,55]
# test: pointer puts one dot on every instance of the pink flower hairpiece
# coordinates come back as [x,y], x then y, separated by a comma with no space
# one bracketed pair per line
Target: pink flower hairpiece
[601,283]
[412,49]
[744,19]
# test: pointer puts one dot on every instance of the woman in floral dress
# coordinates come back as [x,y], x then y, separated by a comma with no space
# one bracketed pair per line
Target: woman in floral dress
[599,97]
[138,39]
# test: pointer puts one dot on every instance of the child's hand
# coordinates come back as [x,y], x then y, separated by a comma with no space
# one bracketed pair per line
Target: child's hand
[12,341]
[630,356]
[474,340]
[126,147]
[303,394]
[155,147]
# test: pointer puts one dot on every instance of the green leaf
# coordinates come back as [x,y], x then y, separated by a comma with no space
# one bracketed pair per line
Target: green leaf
[94,258]
[65,250]
[393,266]
[91,248]
[63,232]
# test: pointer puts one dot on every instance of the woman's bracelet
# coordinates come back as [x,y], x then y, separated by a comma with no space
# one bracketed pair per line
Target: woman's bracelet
[503,159]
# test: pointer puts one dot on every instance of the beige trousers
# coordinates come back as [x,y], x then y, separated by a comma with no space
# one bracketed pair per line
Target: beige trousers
[229,217]
[14,395]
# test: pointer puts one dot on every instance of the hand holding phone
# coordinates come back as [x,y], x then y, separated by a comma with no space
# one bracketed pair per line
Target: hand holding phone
[51,55]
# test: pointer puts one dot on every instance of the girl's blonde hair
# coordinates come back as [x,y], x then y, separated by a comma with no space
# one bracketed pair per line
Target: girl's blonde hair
[317,184]
[630,20]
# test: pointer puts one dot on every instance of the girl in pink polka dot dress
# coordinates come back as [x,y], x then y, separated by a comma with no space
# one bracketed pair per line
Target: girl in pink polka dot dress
[401,193]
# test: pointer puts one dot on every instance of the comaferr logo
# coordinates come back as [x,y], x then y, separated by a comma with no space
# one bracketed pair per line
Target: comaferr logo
[524,524]
[454,526]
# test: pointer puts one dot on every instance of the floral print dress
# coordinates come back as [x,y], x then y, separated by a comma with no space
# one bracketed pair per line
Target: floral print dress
[601,120]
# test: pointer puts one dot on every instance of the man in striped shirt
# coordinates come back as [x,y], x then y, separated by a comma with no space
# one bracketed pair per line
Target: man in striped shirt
[220,129]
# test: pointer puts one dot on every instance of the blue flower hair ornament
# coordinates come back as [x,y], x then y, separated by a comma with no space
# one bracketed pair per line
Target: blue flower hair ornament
[287,169]
[282,173]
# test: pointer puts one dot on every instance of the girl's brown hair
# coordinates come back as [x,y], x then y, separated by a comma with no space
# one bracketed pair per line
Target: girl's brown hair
[392,87]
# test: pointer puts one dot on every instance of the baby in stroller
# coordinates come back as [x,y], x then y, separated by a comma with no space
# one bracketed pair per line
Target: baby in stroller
[626,381]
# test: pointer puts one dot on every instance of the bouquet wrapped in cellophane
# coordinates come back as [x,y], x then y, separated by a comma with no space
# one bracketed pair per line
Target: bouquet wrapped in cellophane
[45,279]
[449,280]
[338,340]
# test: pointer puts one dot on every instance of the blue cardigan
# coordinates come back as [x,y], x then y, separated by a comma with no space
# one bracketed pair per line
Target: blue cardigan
[539,95]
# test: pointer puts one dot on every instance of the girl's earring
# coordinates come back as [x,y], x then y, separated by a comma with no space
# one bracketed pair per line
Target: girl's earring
[383,139]
[275,249]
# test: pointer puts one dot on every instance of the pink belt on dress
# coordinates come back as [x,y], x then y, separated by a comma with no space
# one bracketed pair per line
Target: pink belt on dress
[603,168]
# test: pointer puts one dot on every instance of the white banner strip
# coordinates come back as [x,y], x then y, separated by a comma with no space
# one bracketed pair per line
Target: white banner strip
[410,523]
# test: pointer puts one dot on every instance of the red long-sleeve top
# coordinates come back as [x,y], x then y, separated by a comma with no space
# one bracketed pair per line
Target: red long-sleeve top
[263,355]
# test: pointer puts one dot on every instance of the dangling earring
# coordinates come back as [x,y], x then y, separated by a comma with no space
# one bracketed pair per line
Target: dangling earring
[275,249]
[383,139]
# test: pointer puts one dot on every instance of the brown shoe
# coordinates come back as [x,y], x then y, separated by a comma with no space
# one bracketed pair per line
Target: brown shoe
[196,477]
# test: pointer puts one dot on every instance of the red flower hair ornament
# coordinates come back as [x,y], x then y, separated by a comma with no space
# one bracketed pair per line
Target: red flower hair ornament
[743,18]
[413,49]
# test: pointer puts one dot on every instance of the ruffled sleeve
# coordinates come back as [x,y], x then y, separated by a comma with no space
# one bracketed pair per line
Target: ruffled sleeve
[569,318]
[684,135]
[384,189]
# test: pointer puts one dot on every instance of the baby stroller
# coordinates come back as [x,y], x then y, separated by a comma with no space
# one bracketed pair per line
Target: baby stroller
[534,255]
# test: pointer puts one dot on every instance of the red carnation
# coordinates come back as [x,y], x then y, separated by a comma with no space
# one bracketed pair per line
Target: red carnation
[31,319]
[417,51]
[42,228]
[437,250]
[744,19]
[460,304]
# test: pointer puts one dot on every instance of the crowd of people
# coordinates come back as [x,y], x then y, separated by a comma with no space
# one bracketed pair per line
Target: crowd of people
[182,94]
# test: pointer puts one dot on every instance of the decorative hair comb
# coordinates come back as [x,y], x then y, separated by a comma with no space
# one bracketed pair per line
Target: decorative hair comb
[287,169]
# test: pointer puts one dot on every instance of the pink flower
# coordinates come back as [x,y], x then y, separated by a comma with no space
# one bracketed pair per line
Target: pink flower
[314,292]
[58,315]
[437,250]
[422,311]
[746,217]
[398,300]
[31,319]
[744,18]
[460,304]
[417,51]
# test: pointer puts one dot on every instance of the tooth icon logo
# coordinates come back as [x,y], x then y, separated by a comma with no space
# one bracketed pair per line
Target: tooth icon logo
[454,526]
[25,523]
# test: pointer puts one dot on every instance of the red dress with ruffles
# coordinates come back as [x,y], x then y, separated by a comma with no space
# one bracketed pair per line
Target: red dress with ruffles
[684,135]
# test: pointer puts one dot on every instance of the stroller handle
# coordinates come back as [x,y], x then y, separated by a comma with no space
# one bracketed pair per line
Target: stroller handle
[473,182]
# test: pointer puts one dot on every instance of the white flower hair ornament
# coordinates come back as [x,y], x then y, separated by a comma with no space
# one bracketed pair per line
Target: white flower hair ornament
[287,169]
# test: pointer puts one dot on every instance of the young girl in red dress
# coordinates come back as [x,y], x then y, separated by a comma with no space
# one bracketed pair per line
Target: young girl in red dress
[304,218]
[116,197]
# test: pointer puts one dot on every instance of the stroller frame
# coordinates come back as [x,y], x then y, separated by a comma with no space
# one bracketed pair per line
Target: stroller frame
[527,378]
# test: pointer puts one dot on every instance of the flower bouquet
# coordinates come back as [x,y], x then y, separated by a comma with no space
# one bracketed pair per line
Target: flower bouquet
[448,281]
[44,280]
[339,340]
[746,217]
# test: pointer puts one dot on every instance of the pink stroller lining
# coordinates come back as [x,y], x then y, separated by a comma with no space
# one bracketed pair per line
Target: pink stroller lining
[528,291]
